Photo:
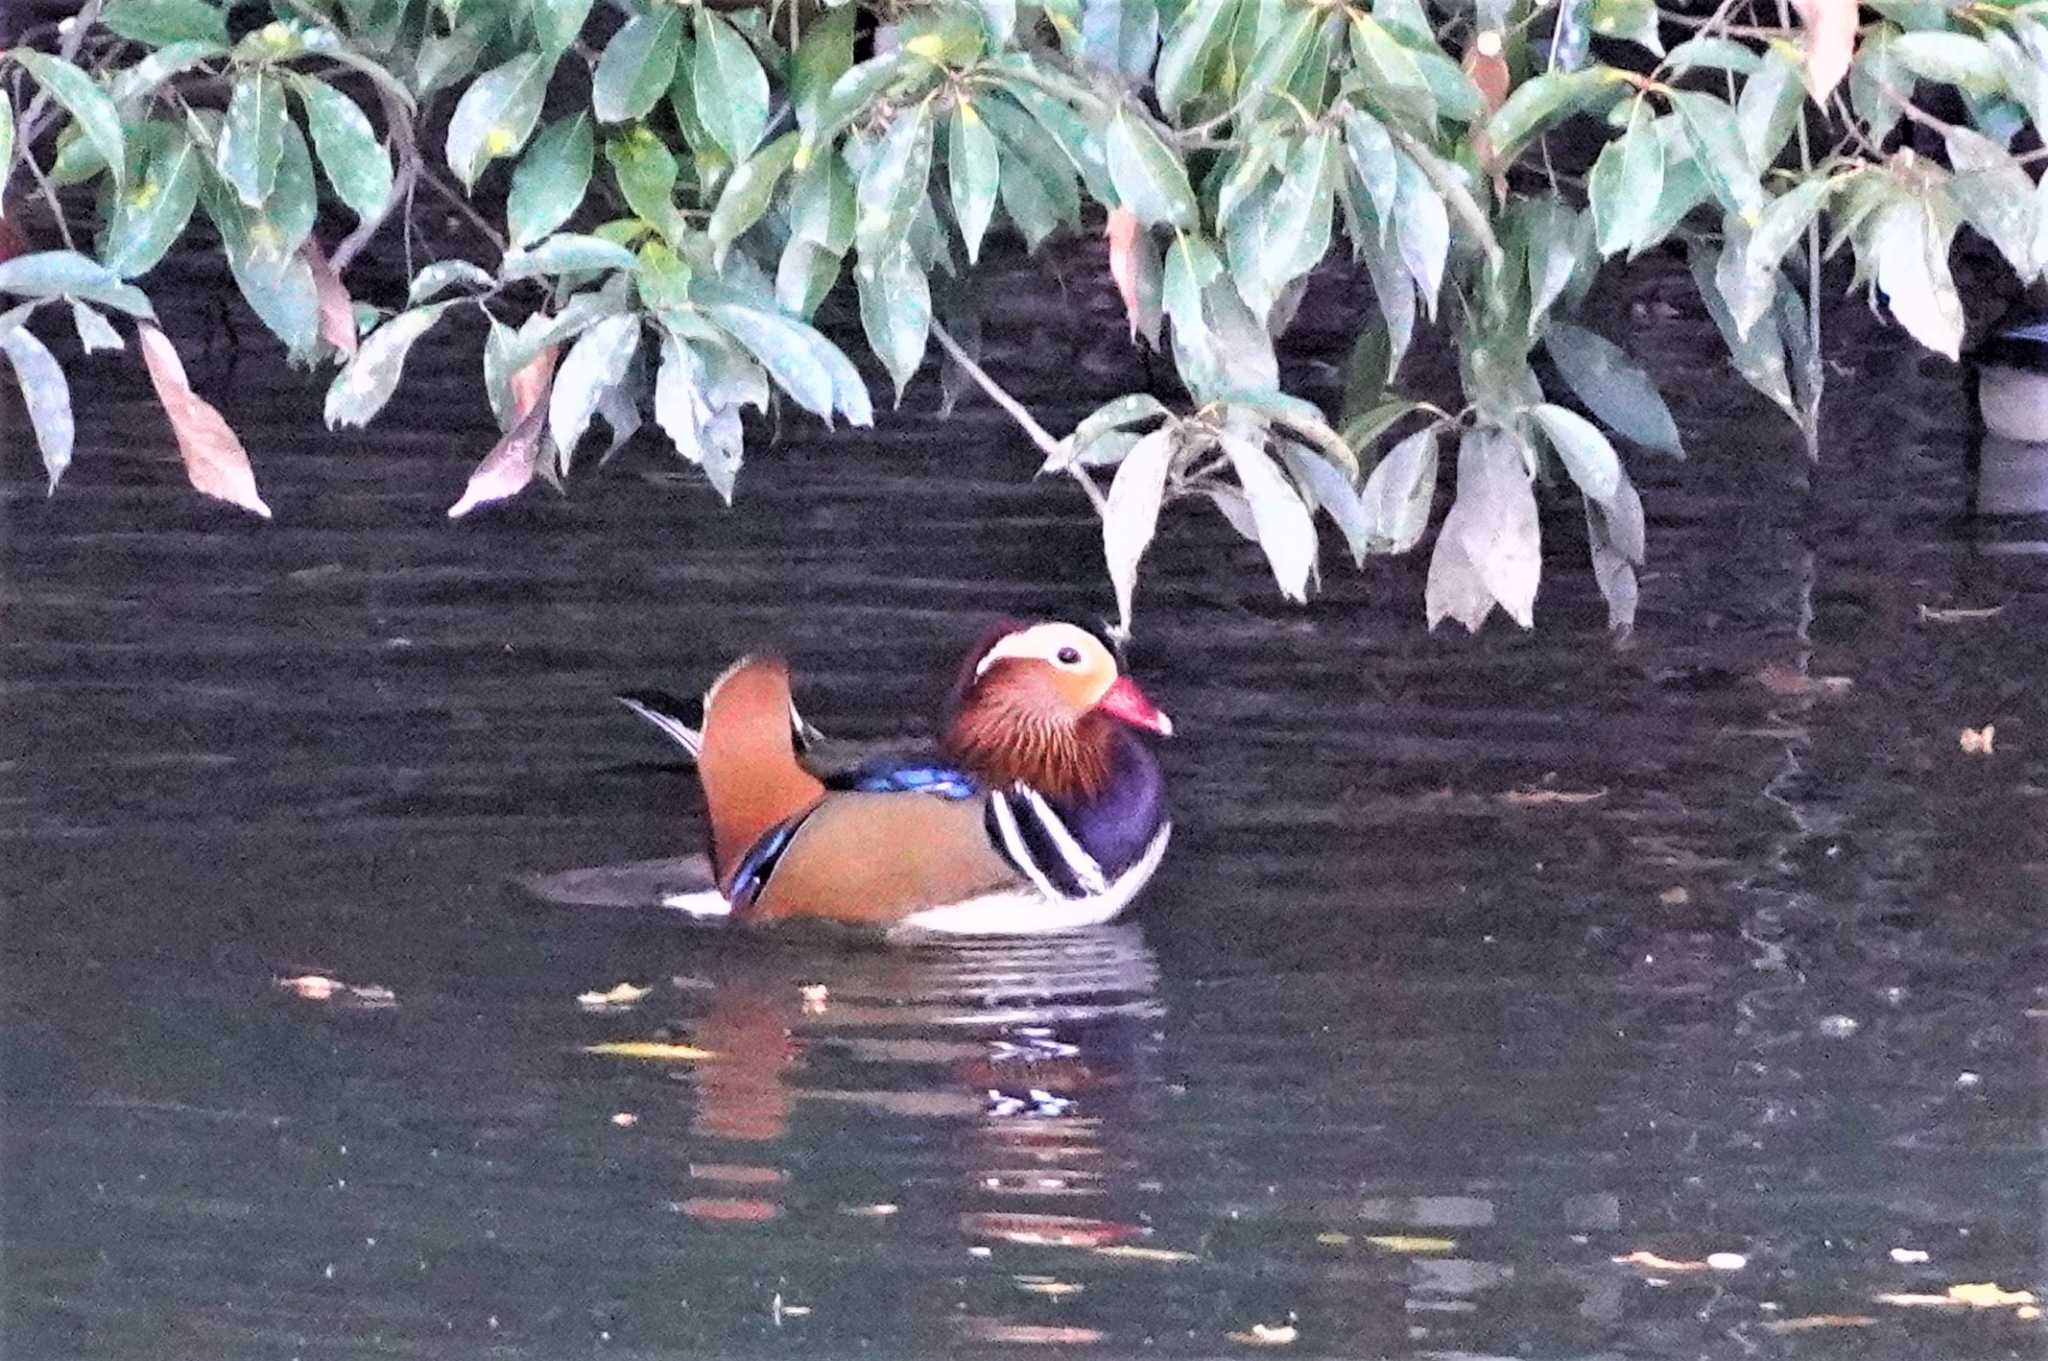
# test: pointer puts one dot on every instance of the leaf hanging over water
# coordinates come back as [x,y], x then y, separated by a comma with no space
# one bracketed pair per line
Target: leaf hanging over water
[597,362]
[1489,548]
[215,460]
[1830,43]
[44,391]
[1131,516]
[509,466]
[337,309]
[1619,392]
[1398,495]
[360,390]
[1285,531]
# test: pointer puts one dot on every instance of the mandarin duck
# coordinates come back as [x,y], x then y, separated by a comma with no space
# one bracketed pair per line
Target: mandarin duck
[1040,807]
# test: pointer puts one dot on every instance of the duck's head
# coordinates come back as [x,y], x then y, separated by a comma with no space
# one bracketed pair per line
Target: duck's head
[1039,704]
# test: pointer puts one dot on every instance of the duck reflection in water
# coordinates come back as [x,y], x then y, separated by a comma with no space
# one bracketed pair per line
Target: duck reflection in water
[1023,1056]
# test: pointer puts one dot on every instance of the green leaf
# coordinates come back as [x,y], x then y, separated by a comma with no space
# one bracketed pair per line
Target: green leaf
[1034,162]
[1112,415]
[1910,248]
[998,20]
[159,23]
[645,170]
[1545,100]
[974,169]
[1613,386]
[1635,20]
[1395,79]
[446,58]
[1759,355]
[731,87]
[1120,35]
[1330,489]
[803,363]
[67,274]
[1149,177]
[129,86]
[1130,516]
[1586,454]
[357,167]
[496,114]
[1713,132]
[1422,233]
[748,193]
[1285,235]
[551,179]
[637,66]
[1189,53]
[558,23]
[1627,182]
[95,332]
[1782,222]
[804,275]
[893,185]
[1191,266]
[442,275]
[362,388]
[595,364]
[252,137]
[148,217]
[285,220]
[80,97]
[1997,197]
[1713,54]
[853,94]
[1949,58]
[821,207]
[896,314]
[44,392]
[565,253]
[1767,110]
[1286,532]
[6,143]
[1398,495]
[1490,547]
[824,55]
[278,284]
[1373,157]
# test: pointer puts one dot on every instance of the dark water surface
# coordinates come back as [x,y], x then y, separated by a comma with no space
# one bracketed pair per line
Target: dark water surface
[1477,964]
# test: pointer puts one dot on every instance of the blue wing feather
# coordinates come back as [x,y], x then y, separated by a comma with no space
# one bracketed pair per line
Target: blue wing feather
[907,773]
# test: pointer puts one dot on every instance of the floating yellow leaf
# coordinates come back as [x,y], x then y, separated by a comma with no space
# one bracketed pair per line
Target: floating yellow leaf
[1814,1322]
[1333,1240]
[1655,1263]
[649,1049]
[1267,1335]
[615,998]
[1966,1295]
[1929,614]
[1132,1253]
[1406,1242]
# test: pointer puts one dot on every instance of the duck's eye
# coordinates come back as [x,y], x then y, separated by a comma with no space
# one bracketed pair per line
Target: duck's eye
[1068,656]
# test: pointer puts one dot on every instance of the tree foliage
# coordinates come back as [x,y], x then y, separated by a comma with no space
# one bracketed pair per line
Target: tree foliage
[664,195]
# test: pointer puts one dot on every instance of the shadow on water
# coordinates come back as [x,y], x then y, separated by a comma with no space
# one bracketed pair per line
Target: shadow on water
[1501,997]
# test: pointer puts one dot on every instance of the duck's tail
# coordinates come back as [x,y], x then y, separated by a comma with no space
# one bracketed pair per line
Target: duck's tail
[746,752]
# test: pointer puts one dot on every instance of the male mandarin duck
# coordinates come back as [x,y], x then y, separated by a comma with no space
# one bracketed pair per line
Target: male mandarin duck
[1040,809]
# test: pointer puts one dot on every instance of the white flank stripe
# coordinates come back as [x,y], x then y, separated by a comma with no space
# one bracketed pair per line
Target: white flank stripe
[1083,865]
[1020,912]
[1013,844]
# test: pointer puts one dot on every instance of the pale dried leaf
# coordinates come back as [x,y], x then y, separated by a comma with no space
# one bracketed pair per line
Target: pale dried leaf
[337,309]
[510,465]
[1830,43]
[215,460]
[1122,233]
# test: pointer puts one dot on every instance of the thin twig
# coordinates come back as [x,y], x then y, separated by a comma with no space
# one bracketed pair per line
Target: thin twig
[408,155]
[461,205]
[31,122]
[50,197]
[1040,436]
